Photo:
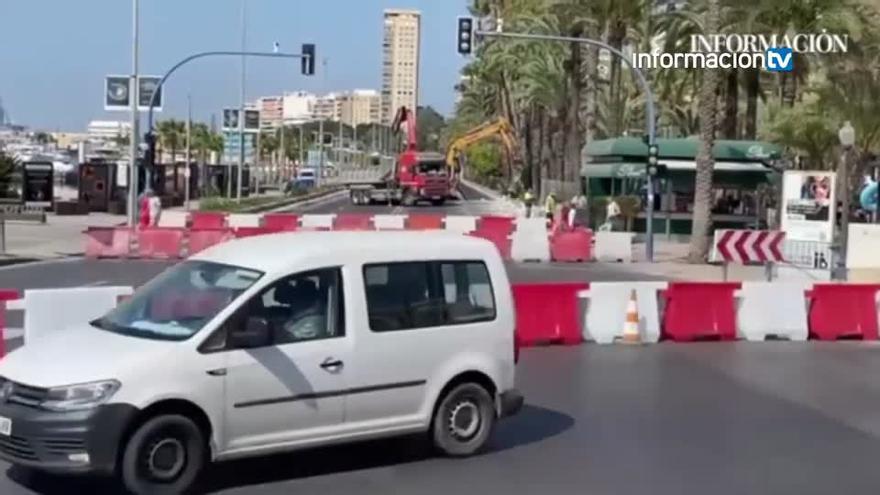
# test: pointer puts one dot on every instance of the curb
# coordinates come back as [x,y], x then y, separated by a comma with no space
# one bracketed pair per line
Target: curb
[286,203]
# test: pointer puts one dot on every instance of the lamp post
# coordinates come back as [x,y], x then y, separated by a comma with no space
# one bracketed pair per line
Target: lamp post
[847,136]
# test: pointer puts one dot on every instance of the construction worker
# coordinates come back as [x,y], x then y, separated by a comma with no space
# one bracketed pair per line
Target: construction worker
[550,206]
[529,200]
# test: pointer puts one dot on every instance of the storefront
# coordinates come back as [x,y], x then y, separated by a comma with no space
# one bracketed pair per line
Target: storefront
[615,168]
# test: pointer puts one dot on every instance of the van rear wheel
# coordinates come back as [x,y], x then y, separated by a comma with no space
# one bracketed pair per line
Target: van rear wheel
[163,456]
[464,420]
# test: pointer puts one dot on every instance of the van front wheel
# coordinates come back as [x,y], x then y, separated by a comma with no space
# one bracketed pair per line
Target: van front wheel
[464,420]
[163,456]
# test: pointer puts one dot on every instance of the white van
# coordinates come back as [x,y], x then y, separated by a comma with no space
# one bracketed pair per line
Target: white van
[271,344]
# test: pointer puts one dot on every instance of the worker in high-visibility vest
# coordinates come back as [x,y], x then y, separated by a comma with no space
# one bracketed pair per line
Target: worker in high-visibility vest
[550,206]
[529,201]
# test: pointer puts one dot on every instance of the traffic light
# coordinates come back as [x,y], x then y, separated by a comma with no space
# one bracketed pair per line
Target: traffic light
[150,153]
[654,166]
[308,59]
[465,35]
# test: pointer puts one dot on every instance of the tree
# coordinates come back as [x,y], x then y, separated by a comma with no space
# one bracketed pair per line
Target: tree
[699,247]
[171,136]
[430,127]
[8,164]
[269,144]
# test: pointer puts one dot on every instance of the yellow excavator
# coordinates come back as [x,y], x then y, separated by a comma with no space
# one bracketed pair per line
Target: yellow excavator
[499,127]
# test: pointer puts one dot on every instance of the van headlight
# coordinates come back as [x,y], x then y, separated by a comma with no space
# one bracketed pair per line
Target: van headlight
[79,397]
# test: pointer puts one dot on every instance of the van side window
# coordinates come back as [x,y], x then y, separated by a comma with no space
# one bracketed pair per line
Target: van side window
[468,292]
[405,296]
[302,307]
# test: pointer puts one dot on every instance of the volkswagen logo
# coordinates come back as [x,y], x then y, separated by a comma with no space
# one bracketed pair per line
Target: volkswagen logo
[6,391]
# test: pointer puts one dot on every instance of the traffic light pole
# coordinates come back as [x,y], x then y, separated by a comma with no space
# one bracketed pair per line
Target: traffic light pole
[650,111]
[150,135]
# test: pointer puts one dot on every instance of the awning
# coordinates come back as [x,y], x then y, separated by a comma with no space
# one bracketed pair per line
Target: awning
[637,169]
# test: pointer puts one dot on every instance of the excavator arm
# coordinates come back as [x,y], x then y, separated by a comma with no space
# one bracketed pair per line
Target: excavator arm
[405,117]
[500,127]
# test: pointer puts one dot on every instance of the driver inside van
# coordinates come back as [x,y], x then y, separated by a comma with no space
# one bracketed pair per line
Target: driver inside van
[304,312]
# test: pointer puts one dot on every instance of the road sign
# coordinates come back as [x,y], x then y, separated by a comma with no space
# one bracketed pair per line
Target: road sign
[749,246]
[251,120]
[147,85]
[117,93]
[231,120]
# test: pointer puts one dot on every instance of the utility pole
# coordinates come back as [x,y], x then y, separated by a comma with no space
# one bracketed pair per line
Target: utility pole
[282,156]
[302,150]
[187,172]
[319,178]
[241,118]
[134,137]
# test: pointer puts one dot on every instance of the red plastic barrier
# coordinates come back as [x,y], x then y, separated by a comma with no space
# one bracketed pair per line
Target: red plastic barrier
[5,295]
[576,245]
[353,221]
[160,243]
[242,232]
[207,220]
[199,240]
[840,311]
[281,222]
[547,313]
[501,240]
[700,311]
[424,221]
[492,223]
[107,242]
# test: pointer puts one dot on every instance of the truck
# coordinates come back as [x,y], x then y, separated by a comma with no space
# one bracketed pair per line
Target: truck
[415,176]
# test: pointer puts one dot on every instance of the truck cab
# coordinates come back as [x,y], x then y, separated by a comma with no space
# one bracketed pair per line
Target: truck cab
[422,176]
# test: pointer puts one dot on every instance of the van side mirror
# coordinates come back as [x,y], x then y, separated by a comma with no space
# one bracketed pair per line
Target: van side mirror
[254,334]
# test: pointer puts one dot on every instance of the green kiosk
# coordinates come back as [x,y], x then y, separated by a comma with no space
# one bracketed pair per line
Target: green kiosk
[615,168]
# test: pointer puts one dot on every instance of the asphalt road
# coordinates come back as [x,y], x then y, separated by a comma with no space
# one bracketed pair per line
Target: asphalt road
[712,418]
[719,419]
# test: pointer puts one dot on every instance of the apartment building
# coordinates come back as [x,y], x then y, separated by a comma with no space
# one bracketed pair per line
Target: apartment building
[400,66]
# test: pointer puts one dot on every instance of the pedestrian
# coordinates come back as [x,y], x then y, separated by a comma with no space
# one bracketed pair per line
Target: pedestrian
[612,212]
[550,206]
[144,210]
[155,206]
[572,212]
[529,200]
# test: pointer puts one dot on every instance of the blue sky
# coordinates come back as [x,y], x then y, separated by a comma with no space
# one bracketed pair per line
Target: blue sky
[54,53]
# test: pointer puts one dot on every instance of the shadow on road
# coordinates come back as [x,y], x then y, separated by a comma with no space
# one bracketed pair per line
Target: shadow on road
[533,424]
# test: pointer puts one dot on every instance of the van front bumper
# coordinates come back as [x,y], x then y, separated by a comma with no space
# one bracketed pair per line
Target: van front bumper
[65,442]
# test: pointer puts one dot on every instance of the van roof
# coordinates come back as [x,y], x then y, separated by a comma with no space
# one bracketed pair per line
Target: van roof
[284,252]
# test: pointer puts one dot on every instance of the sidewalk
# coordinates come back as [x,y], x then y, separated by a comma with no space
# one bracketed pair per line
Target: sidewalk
[58,237]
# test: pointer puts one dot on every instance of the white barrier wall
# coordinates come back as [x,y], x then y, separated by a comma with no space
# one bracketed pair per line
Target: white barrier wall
[772,309]
[863,246]
[614,246]
[173,219]
[238,220]
[317,221]
[606,310]
[460,224]
[52,310]
[389,222]
[530,241]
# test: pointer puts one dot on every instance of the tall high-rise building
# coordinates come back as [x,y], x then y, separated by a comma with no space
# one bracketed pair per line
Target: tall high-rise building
[400,66]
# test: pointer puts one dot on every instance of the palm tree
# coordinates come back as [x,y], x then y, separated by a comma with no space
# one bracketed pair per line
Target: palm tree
[8,165]
[699,246]
[171,136]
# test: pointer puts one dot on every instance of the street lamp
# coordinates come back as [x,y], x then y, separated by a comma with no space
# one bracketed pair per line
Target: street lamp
[847,136]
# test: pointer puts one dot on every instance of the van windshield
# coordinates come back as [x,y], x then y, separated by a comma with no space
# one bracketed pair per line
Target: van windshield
[179,302]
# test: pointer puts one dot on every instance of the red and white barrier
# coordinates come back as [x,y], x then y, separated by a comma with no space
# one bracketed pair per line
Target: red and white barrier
[521,239]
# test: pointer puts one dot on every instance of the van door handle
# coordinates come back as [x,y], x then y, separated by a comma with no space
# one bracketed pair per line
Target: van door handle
[331,364]
[217,372]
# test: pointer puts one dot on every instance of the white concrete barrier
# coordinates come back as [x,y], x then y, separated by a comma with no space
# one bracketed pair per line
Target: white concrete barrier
[614,246]
[238,220]
[389,222]
[47,311]
[460,224]
[606,310]
[530,240]
[772,309]
[317,221]
[173,219]
[862,246]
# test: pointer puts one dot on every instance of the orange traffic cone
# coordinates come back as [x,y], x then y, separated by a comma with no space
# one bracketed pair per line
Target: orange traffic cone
[631,333]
